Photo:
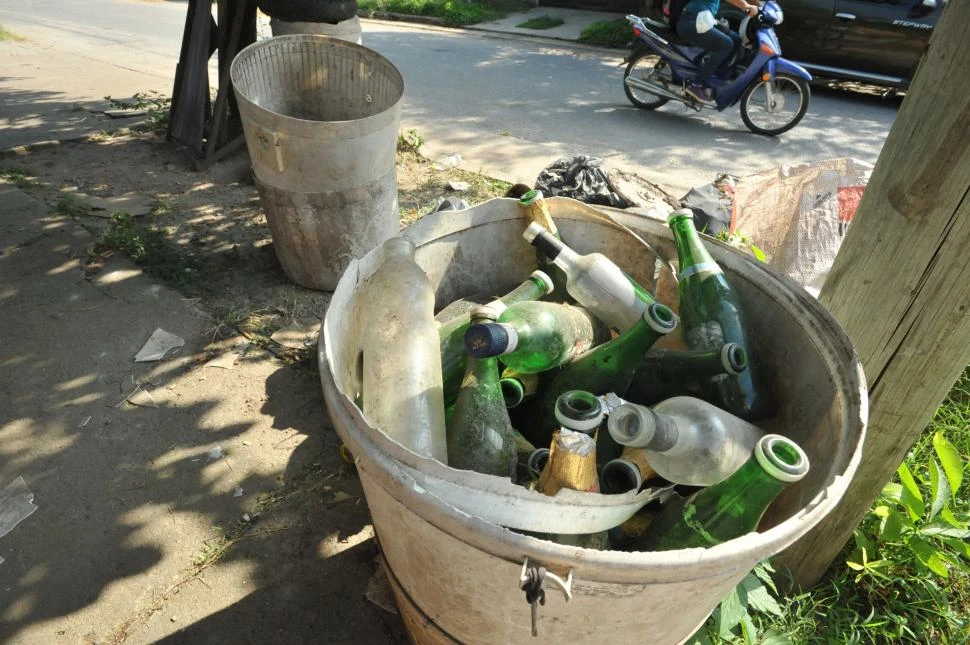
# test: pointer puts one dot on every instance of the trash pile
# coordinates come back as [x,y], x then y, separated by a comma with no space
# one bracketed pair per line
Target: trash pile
[558,385]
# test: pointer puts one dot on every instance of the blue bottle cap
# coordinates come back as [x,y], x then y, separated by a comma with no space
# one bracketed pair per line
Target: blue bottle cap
[483,340]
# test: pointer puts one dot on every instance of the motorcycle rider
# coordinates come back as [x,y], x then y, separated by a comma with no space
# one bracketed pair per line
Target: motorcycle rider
[698,26]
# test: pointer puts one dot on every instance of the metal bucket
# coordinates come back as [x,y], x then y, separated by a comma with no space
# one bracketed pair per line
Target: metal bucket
[348,30]
[456,575]
[321,119]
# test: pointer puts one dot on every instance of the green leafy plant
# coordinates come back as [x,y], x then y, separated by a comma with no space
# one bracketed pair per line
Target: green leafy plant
[607,33]
[6,34]
[155,105]
[739,240]
[71,205]
[409,141]
[541,22]
[19,177]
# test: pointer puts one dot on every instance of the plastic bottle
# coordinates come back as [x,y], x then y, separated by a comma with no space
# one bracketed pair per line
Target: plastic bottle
[402,390]
[531,337]
[452,333]
[669,372]
[731,508]
[711,316]
[687,440]
[593,280]
[480,434]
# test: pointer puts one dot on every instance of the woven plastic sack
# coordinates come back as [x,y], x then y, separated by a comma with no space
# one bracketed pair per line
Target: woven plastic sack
[798,214]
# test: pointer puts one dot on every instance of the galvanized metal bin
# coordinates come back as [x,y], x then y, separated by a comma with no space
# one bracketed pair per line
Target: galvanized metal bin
[456,575]
[321,119]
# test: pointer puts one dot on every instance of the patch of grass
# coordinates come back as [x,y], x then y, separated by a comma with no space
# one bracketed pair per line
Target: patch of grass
[6,34]
[541,22]
[905,577]
[150,249]
[417,202]
[71,206]
[453,12]
[607,33]
[20,177]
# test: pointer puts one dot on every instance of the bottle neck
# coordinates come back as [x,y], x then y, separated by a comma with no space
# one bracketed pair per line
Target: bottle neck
[554,249]
[532,289]
[671,365]
[692,255]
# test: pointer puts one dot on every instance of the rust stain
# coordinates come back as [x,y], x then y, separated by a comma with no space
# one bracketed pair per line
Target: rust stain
[913,198]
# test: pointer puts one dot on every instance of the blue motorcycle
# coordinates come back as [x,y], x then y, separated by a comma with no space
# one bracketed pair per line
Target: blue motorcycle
[774,93]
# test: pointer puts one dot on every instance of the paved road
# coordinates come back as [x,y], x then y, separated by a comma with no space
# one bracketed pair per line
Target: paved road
[508,105]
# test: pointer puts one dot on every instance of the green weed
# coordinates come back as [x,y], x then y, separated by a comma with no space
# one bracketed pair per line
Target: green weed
[541,22]
[71,206]
[155,104]
[19,177]
[607,33]
[409,141]
[149,248]
[6,34]
[453,12]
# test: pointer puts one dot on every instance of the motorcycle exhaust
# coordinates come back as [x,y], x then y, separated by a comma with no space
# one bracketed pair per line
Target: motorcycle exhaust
[659,90]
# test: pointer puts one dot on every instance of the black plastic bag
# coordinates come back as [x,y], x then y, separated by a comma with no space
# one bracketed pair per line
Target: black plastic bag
[582,178]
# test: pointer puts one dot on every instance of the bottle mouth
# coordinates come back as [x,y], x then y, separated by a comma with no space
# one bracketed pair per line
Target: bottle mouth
[620,476]
[660,318]
[734,358]
[579,410]
[533,231]
[546,281]
[537,462]
[531,197]
[781,458]
[624,424]
[679,214]
[512,391]
[484,313]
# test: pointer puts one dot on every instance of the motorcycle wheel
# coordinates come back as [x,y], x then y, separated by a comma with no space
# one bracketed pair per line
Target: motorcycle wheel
[773,107]
[647,67]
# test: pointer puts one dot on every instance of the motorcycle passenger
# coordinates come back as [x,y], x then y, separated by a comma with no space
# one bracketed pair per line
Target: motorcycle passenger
[698,26]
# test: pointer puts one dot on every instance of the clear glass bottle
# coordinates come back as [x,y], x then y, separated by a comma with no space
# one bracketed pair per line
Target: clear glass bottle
[687,440]
[402,390]
[531,337]
[480,434]
[732,508]
[535,208]
[452,333]
[593,280]
[669,372]
[711,315]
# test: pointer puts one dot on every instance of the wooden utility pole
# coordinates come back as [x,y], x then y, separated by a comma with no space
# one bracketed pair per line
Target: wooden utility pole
[900,285]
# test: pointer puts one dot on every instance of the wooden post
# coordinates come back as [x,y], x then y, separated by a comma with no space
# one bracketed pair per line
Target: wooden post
[900,285]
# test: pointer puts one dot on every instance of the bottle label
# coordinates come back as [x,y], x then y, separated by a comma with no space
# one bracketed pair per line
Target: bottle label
[708,268]
[707,335]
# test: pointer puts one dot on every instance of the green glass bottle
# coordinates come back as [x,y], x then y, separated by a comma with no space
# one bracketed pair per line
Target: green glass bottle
[532,337]
[605,368]
[480,435]
[711,316]
[669,372]
[731,508]
[517,387]
[452,333]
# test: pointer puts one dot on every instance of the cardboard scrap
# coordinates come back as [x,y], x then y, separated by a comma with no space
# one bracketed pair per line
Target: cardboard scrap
[379,590]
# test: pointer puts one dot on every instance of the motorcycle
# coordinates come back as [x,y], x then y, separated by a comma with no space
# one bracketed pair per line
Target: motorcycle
[774,93]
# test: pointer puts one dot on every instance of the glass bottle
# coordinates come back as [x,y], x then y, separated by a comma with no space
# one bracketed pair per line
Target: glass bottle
[535,208]
[517,387]
[711,316]
[669,372]
[629,471]
[452,333]
[402,389]
[593,280]
[731,508]
[605,368]
[480,435]
[531,337]
[687,440]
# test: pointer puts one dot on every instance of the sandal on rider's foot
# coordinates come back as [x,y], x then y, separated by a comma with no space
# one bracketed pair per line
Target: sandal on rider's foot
[700,92]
